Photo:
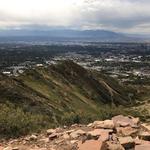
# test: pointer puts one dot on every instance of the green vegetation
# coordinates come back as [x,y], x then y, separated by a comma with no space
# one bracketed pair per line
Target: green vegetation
[60,94]
[15,122]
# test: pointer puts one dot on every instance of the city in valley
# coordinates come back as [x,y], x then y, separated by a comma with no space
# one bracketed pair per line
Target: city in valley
[127,62]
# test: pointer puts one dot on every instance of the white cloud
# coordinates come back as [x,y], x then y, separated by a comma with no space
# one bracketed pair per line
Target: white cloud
[118,15]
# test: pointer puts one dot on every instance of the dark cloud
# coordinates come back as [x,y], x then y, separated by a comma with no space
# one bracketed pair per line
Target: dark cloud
[117,15]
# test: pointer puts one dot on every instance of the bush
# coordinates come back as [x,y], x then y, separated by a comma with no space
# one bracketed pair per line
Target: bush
[72,118]
[14,122]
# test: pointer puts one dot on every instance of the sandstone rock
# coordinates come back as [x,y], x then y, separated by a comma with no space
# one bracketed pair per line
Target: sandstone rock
[122,124]
[127,142]
[73,141]
[50,131]
[1,148]
[123,121]
[96,132]
[33,137]
[8,148]
[90,145]
[15,148]
[53,136]
[136,120]
[45,140]
[77,133]
[66,136]
[112,146]
[102,134]
[107,124]
[126,131]
[140,142]
[70,131]
[144,136]
[74,125]
[145,126]
[90,125]
[58,130]
[142,147]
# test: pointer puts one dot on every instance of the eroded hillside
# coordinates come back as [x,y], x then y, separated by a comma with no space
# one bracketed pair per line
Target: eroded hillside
[59,94]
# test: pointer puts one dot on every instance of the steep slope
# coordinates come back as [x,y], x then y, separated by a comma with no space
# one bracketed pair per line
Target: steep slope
[59,92]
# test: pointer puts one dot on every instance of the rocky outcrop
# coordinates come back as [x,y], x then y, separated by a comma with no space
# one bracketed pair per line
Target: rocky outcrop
[120,133]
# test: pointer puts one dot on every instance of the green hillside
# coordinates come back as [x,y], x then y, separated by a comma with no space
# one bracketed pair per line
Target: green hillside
[58,94]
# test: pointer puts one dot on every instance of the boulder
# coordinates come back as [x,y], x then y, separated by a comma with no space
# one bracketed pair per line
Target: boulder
[126,131]
[44,139]
[144,135]
[73,141]
[95,132]
[53,136]
[90,125]
[127,142]
[50,131]
[33,137]
[90,145]
[142,147]
[109,145]
[69,131]
[75,125]
[7,148]
[1,148]
[66,136]
[124,121]
[145,126]
[77,133]
[140,142]
[58,130]
[107,124]
[102,134]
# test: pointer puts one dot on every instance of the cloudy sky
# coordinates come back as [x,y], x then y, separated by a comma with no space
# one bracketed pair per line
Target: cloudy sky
[129,16]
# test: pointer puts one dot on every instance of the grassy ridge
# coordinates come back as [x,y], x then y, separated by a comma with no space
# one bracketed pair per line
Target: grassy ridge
[59,94]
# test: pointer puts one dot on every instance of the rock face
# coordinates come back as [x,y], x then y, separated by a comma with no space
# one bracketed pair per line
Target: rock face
[127,142]
[107,124]
[126,131]
[109,145]
[143,147]
[120,133]
[124,121]
[144,136]
[90,145]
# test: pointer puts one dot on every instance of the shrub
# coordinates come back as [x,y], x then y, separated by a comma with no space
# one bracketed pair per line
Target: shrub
[15,122]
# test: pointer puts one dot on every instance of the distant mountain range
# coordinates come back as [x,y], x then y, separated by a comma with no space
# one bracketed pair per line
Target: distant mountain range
[91,35]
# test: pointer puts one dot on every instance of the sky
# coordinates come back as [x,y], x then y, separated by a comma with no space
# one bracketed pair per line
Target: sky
[127,16]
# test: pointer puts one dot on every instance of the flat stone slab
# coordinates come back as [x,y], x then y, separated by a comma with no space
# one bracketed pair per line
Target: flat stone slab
[90,145]
[127,142]
[123,121]
[144,136]
[142,147]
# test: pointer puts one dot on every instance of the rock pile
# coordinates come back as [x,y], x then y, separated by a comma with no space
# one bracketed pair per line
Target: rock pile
[119,133]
